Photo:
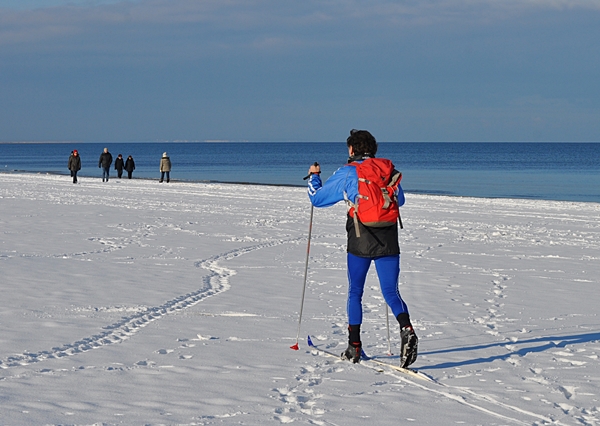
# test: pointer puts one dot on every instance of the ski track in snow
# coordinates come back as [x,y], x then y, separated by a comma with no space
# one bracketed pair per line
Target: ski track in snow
[309,378]
[217,281]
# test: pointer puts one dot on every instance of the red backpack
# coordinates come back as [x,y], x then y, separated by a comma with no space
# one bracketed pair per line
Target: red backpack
[376,204]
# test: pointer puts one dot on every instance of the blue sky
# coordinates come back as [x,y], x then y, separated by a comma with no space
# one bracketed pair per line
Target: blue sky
[280,70]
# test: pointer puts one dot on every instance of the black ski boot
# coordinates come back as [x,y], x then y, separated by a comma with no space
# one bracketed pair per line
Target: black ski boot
[352,352]
[408,348]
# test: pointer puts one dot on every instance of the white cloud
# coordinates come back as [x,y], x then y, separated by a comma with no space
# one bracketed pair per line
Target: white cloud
[44,4]
[76,16]
[246,14]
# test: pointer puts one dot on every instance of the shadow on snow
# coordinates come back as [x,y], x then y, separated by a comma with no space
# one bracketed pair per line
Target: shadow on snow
[549,342]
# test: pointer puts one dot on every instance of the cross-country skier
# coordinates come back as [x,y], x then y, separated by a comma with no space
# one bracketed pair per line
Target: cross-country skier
[372,244]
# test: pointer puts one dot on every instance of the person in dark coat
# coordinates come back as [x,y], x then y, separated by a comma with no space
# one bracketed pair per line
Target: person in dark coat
[377,245]
[129,166]
[70,156]
[105,162]
[119,164]
[74,164]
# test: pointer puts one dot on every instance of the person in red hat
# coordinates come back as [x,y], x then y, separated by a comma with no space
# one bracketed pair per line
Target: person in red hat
[74,164]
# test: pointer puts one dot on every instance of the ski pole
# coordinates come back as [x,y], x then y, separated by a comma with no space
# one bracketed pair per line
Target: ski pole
[312,208]
[295,347]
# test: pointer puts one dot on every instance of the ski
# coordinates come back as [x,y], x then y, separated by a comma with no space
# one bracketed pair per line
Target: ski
[338,356]
[409,371]
[377,364]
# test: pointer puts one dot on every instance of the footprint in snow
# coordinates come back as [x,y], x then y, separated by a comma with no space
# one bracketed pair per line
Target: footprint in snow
[200,337]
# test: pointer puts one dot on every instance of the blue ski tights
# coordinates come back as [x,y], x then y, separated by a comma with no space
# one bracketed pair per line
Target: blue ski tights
[388,271]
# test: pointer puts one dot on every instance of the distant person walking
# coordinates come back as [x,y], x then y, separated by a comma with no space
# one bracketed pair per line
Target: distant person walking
[165,167]
[105,162]
[70,156]
[119,165]
[74,164]
[129,166]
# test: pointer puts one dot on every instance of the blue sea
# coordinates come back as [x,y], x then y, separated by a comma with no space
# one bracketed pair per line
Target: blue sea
[547,171]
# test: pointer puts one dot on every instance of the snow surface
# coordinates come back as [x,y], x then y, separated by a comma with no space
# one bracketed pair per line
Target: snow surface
[133,302]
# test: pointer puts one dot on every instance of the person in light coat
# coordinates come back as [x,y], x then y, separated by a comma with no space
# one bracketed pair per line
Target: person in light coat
[165,167]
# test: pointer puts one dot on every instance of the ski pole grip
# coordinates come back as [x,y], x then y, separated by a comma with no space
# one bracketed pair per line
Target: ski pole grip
[308,175]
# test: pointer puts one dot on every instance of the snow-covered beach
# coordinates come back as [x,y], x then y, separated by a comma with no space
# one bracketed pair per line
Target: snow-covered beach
[133,302]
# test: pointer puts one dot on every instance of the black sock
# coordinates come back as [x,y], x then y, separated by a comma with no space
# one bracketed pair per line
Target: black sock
[354,334]
[403,319]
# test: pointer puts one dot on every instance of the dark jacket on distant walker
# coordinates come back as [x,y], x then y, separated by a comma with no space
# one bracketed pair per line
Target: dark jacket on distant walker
[74,163]
[119,164]
[105,160]
[130,164]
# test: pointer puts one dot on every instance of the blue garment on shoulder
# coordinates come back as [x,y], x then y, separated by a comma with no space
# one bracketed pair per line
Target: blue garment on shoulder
[343,181]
